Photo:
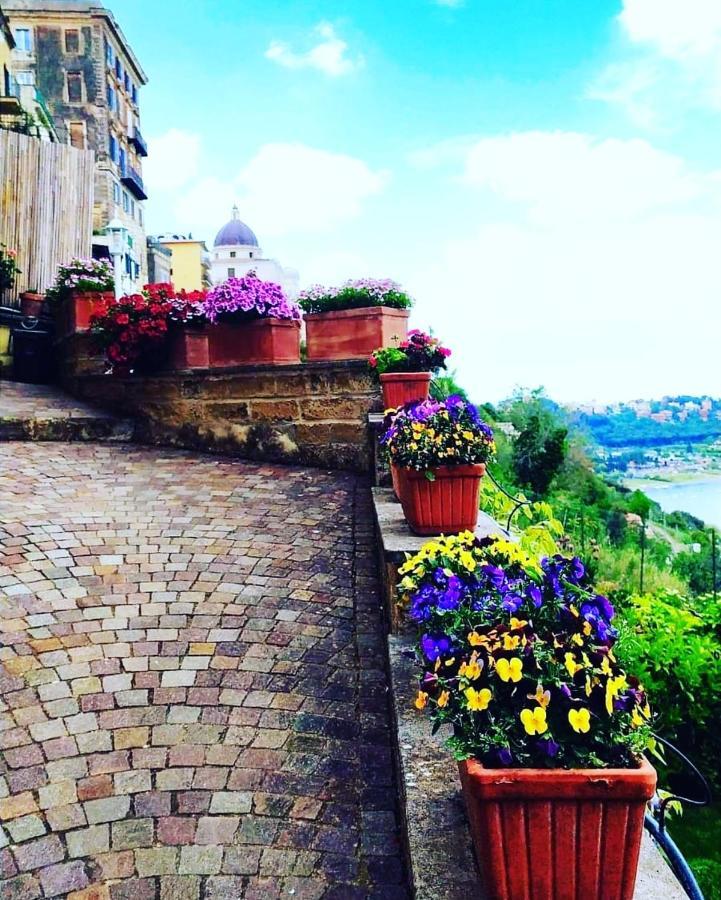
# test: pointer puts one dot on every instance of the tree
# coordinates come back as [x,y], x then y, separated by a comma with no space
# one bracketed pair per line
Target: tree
[538,453]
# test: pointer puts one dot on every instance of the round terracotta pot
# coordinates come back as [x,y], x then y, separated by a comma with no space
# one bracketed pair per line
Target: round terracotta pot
[446,505]
[404,387]
[31,304]
[557,833]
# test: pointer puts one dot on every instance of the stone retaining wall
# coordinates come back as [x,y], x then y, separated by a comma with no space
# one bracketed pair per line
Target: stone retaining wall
[311,413]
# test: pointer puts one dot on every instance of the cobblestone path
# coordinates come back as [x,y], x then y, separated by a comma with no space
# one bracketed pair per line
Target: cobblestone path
[192,689]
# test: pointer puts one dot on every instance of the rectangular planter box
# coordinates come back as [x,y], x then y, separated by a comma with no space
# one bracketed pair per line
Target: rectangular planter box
[258,341]
[188,348]
[547,834]
[75,312]
[353,333]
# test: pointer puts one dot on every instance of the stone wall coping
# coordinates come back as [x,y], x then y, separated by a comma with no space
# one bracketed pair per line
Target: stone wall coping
[397,539]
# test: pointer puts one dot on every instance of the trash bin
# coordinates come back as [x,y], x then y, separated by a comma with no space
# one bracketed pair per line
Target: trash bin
[33,360]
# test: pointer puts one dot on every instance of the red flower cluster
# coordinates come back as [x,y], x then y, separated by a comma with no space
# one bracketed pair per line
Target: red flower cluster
[134,326]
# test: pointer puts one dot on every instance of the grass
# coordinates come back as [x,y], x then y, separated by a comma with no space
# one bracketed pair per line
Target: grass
[696,833]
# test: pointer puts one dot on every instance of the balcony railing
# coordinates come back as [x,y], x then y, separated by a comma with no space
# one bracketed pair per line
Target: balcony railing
[133,182]
[137,139]
[9,95]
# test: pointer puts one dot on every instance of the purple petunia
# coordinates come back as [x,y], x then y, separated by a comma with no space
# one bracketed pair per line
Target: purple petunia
[249,297]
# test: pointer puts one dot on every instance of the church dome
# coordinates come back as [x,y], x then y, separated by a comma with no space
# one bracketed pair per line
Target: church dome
[235,233]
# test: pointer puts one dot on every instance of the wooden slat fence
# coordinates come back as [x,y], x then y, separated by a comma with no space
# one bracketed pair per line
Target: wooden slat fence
[46,207]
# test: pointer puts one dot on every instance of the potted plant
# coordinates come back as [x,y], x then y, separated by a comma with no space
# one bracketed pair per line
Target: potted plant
[516,658]
[187,335]
[252,321]
[8,267]
[438,452]
[351,321]
[79,287]
[404,372]
[31,303]
[132,330]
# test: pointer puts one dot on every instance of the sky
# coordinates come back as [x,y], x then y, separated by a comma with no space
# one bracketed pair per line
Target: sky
[543,176]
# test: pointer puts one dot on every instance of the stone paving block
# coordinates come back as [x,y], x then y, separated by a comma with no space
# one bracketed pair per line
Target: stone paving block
[88,841]
[200,860]
[156,861]
[25,828]
[107,809]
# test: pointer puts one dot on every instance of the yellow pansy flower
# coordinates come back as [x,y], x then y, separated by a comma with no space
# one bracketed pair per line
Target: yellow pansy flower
[471,670]
[613,688]
[443,698]
[477,640]
[517,623]
[543,698]
[637,719]
[510,669]
[421,700]
[534,720]
[577,640]
[572,665]
[477,700]
[511,641]
[580,720]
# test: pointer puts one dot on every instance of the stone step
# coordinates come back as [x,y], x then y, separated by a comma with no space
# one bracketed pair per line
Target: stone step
[30,412]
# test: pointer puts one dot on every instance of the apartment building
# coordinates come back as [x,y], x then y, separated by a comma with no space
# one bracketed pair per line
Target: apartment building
[74,52]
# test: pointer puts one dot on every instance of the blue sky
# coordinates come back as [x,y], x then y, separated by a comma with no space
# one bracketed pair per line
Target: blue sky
[542,175]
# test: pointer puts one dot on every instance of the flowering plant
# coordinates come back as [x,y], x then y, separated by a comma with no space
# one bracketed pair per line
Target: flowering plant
[428,434]
[356,294]
[248,298]
[8,267]
[130,328]
[517,657]
[81,275]
[185,307]
[420,352]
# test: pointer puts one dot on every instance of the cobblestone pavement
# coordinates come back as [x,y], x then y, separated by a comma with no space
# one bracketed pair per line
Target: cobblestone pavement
[192,688]
[41,401]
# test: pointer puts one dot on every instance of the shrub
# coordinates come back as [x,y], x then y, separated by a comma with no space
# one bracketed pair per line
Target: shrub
[517,657]
[357,294]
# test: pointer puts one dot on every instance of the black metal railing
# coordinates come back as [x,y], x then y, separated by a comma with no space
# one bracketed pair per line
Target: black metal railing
[133,181]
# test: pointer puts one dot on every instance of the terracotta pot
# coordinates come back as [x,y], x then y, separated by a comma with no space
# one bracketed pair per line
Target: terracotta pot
[395,480]
[404,387]
[75,311]
[257,341]
[188,347]
[31,304]
[353,333]
[446,505]
[547,834]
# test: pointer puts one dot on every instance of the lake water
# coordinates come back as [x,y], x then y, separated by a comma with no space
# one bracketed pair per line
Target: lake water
[700,498]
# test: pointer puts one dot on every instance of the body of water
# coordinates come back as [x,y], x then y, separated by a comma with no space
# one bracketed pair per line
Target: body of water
[700,498]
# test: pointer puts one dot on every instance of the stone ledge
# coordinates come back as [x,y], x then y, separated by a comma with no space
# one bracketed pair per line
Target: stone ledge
[440,859]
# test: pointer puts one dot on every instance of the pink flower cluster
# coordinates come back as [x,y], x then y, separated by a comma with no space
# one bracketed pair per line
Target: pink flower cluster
[249,298]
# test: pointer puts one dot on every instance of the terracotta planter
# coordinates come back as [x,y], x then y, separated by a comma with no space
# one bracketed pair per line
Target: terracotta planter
[547,834]
[395,480]
[258,341]
[31,304]
[404,387]
[75,311]
[353,333]
[446,505]
[188,348]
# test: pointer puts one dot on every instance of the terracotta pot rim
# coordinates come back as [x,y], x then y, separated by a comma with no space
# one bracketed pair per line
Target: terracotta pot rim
[405,376]
[31,295]
[363,311]
[510,783]
[263,322]
[463,470]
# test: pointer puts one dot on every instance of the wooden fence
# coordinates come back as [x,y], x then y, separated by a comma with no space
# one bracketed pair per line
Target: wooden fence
[46,207]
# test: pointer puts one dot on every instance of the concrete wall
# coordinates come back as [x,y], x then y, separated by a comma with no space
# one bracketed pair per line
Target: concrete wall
[312,413]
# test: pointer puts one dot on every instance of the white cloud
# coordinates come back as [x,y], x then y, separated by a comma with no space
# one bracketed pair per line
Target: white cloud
[592,268]
[328,55]
[173,160]
[670,62]
[284,189]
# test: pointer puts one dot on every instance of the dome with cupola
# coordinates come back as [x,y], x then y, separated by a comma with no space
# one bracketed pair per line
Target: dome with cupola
[235,234]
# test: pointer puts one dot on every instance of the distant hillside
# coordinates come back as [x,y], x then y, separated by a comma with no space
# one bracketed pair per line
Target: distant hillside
[649,423]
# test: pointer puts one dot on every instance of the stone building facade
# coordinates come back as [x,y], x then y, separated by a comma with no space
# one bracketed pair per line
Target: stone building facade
[76,54]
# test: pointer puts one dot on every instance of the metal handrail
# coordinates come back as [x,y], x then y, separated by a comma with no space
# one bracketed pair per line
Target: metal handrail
[516,500]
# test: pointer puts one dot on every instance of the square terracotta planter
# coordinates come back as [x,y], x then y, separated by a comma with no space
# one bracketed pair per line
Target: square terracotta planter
[75,311]
[446,505]
[557,834]
[353,333]
[188,347]
[404,387]
[274,341]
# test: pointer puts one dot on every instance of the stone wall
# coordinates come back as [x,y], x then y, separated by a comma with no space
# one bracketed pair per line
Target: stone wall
[312,413]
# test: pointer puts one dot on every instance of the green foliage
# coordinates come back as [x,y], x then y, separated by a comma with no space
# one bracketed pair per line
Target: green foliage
[639,504]
[535,525]
[538,454]
[445,386]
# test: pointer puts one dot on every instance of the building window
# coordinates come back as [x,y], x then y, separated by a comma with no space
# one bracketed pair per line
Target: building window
[25,77]
[23,39]
[77,135]
[113,150]
[232,254]
[72,40]
[126,202]
[112,99]
[122,162]
[75,87]
[134,93]
[132,207]
[140,215]
[109,57]
[126,82]
[118,69]
[116,193]
[251,254]
[231,273]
